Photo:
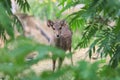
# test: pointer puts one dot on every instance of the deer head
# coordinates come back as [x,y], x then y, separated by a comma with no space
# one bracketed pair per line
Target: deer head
[57,26]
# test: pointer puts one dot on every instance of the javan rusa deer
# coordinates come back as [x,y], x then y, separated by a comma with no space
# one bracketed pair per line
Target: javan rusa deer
[62,38]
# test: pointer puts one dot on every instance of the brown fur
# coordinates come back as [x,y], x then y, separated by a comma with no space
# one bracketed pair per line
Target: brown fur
[35,29]
[62,38]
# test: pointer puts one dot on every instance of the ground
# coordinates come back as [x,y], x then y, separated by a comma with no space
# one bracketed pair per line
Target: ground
[77,56]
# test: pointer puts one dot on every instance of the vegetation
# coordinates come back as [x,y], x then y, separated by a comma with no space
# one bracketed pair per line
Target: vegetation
[44,9]
[98,34]
[6,17]
[98,15]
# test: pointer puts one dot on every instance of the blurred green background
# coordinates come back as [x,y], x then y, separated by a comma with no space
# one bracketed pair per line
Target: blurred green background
[95,25]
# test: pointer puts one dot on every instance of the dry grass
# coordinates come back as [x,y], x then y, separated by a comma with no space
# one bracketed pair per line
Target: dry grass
[77,56]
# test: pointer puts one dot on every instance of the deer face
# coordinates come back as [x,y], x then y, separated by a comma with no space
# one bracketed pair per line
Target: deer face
[57,27]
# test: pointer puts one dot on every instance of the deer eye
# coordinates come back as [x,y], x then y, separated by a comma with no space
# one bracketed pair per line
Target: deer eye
[60,28]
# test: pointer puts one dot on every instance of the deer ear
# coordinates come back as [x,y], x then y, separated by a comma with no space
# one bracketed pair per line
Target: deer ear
[50,23]
[63,23]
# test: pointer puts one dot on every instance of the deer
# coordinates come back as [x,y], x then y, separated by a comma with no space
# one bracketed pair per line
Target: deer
[35,29]
[62,38]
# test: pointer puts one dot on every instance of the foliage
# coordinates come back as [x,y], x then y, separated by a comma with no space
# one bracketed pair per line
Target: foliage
[7,20]
[13,61]
[44,9]
[95,19]
[84,71]
[14,66]
[98,31]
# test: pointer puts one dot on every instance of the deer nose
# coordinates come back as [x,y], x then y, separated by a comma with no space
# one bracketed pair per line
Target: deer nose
[57,35]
